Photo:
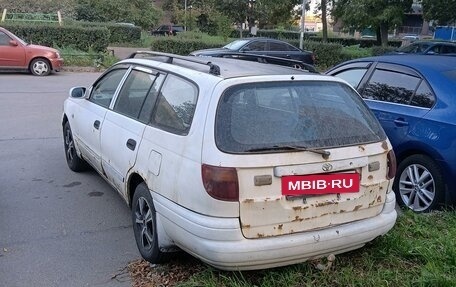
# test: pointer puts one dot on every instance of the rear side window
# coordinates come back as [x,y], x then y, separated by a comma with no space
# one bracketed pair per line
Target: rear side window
[258,116]
[389,86]
[352,76]
[4,39]
[175,105]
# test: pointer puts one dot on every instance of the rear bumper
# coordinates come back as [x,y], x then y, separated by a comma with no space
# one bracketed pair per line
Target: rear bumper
[219,241]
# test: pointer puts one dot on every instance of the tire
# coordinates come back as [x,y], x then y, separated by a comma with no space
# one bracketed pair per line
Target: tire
[40,67]
[75,163]
[419,184]
[145,225]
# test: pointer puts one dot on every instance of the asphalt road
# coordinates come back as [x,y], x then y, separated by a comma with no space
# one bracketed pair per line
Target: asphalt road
[57,227]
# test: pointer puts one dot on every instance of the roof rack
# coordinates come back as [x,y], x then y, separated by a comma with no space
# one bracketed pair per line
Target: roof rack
[213,69]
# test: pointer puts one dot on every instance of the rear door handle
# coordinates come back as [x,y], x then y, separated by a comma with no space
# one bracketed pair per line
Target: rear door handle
[131,144]
[96,124]
[400,122]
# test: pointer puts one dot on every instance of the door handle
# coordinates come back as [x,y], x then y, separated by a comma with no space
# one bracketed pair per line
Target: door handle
[96,124]
[131,144]
[400,122]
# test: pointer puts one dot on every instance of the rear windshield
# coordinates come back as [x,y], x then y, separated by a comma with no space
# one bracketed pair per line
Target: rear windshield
[311,114]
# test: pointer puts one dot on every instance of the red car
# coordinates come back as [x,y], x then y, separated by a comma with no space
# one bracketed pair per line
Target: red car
[16,54]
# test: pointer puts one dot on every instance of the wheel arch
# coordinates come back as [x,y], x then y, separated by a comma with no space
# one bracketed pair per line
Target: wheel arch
[134,180]
[40,57]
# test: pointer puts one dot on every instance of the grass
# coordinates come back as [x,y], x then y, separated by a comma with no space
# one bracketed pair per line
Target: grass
[419,251]
[74,57]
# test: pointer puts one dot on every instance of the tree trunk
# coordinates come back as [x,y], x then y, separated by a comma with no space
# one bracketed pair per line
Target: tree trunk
[384,34]
[324,20]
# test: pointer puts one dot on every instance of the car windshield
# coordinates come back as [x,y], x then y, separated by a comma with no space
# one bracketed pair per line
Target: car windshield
[415,48]
[309,114]
[236,45]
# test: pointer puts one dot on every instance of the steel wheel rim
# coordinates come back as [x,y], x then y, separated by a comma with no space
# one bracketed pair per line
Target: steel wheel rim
[144,223]
[417,187]
[69,144]
[40,67]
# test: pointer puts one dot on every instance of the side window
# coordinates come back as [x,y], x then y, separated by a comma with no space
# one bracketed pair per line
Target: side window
[423,97]
[103,90]
[352,76]
[149,103]
[133,93]
[274,46]
[389,86]
[437,49]
[447,49]
[256,46]
[175,105]
[4,39]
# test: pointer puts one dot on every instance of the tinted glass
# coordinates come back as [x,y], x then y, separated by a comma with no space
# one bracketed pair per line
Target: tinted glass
[275,46]
[307,114]
[352,76]
[415,48]
[133,93]
[389,86]
[423,97]
[256,46]
[149,103]
[449,49]
[236,45]
[175,105]
[4,39]
[103,90]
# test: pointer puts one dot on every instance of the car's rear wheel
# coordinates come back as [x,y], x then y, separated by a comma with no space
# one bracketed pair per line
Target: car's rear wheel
[419,183]
[40,67]
[145,225]
[75,163]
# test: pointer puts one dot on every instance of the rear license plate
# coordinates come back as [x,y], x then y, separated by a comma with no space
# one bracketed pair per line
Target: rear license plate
[320,183]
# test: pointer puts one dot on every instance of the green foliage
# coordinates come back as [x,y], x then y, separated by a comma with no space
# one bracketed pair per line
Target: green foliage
[66,7]
[139,12]
[74,57]
[82,38]
[441,11]
[419,251]
[377,51]
[118,33]
[182,46]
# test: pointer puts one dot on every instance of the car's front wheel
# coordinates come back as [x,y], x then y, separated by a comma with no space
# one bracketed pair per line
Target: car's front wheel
[75,163]
[145,225]
[40,67]
[419,183]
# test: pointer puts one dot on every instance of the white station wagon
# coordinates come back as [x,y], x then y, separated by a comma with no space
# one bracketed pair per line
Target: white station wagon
[241,164]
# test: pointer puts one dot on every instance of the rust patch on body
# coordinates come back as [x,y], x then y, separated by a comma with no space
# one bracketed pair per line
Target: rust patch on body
[297,218]
[361,148]
[248,200]
[370,177]
[280,226]
[379,199]
[384,145]
[246,226]
[260,235]
[324,203]
[357,207]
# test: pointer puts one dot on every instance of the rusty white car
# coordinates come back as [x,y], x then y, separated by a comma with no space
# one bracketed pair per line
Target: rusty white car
[243,165]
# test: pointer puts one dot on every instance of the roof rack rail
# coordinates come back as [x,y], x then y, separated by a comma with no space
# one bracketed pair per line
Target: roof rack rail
[213,68]
[267,60]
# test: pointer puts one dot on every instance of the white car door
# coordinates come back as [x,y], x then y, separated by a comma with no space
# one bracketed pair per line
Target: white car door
[87,122]
[124,124]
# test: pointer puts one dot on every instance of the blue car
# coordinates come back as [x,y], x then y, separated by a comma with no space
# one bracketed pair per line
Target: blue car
[414,98]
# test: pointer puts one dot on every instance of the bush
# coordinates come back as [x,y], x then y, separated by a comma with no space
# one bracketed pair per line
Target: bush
[182,46]
[377,51]
[81,38]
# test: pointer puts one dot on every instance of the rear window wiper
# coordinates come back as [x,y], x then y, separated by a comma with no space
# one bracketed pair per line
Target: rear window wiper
[324,153]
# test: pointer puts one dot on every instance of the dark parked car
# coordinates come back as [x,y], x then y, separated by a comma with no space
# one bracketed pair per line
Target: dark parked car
[167,30]
[413,96]
[260,46]
[428,48]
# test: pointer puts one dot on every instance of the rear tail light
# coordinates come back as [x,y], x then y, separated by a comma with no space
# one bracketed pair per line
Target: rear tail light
[391,157]
[221,182]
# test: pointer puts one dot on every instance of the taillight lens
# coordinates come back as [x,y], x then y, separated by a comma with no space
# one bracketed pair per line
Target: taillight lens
[391,157]
[220,182]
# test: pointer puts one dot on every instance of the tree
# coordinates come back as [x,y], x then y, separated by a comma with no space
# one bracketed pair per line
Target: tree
[66,7]
[443,12]
[140,12]
[378,14]
[323,7]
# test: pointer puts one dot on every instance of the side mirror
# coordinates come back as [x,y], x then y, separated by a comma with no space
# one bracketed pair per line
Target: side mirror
[13,43]
[77,92]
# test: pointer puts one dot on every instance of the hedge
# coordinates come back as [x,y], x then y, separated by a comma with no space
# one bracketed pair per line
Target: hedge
[119,33]
[79,37]
[327,54]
